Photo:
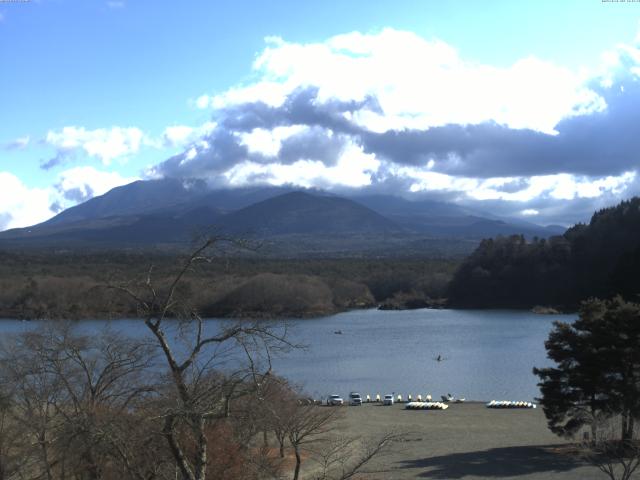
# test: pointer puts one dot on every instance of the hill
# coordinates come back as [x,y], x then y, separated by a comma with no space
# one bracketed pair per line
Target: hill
[599,259]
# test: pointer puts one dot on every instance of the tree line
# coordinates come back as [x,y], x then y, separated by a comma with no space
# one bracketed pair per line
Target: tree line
[70,285]
[600,259]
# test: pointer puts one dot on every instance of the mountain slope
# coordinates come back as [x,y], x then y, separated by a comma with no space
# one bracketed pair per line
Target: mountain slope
[165,195]
[304,213]
[291,213]
[133,199]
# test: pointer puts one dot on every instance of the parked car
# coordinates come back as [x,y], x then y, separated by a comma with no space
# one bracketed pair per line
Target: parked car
[388,400]
[355,399]
[335,400]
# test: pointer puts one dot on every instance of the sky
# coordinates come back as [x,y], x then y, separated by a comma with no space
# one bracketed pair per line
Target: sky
[527,109]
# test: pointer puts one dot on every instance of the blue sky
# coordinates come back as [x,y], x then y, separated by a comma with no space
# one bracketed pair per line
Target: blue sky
[96,93]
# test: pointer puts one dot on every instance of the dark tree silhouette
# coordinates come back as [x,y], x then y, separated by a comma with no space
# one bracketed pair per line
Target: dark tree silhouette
[596,260]
[598,369]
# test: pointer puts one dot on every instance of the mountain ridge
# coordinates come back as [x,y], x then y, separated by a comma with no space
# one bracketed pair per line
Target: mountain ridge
[167,212]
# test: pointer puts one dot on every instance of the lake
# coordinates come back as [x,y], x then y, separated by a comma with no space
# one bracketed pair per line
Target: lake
[485,354]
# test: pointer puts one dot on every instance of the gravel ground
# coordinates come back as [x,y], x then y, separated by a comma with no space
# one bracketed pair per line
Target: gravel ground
[467,441]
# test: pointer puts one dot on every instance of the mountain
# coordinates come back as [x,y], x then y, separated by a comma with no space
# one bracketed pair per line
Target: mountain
[392,205]
[165,195]
[299,213]
[304,213]
[133,199]
[450,220]
[168,212]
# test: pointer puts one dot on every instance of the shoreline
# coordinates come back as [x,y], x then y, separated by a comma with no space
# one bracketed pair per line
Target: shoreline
[308,315]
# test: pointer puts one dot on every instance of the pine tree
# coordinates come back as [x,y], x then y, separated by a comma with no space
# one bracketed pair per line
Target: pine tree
[597,373]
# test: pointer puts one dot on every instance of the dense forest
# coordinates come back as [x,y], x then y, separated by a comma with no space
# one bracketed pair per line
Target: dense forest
[600,259]
[75,285]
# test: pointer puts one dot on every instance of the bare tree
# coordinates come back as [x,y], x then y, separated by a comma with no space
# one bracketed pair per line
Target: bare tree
[308,425]
[279,401]
[343,458]
[12,443]
[34,395]
[308,429]
[618,459]
[102,377]
[192,355]
[73,396]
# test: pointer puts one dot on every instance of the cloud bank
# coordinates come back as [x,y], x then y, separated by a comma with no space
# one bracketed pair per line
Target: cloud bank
[392,110]
[105,144]
[23,206]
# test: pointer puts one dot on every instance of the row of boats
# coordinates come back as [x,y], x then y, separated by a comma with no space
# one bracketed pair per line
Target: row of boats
[509,404]
[398,398]
[445,405]
[417,403]
[426,406]
[427,398]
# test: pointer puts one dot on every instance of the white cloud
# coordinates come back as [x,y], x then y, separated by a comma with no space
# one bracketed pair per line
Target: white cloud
[183,135]
[568,187]
[115,4]
[419,83]
[21,205]
[354,168]
[529,212]
[81,183]
[560,186]
[177,134]
[203,101]
[268,142]
[106,144]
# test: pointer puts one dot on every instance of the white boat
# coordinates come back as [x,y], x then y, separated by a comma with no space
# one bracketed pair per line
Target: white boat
[451,399]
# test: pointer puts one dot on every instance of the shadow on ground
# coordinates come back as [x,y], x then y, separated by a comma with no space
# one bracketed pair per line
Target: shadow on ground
[496,462]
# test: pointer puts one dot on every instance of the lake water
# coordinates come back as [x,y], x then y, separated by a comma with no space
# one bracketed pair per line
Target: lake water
[486,354]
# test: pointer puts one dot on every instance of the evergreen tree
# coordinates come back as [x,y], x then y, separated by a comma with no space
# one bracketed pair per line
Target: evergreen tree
[598,368]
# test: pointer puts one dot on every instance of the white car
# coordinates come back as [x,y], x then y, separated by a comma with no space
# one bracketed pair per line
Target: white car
[335,400]
[388,400]
[355,399]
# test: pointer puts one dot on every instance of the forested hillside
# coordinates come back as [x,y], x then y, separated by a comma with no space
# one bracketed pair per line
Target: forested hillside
[599,259]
